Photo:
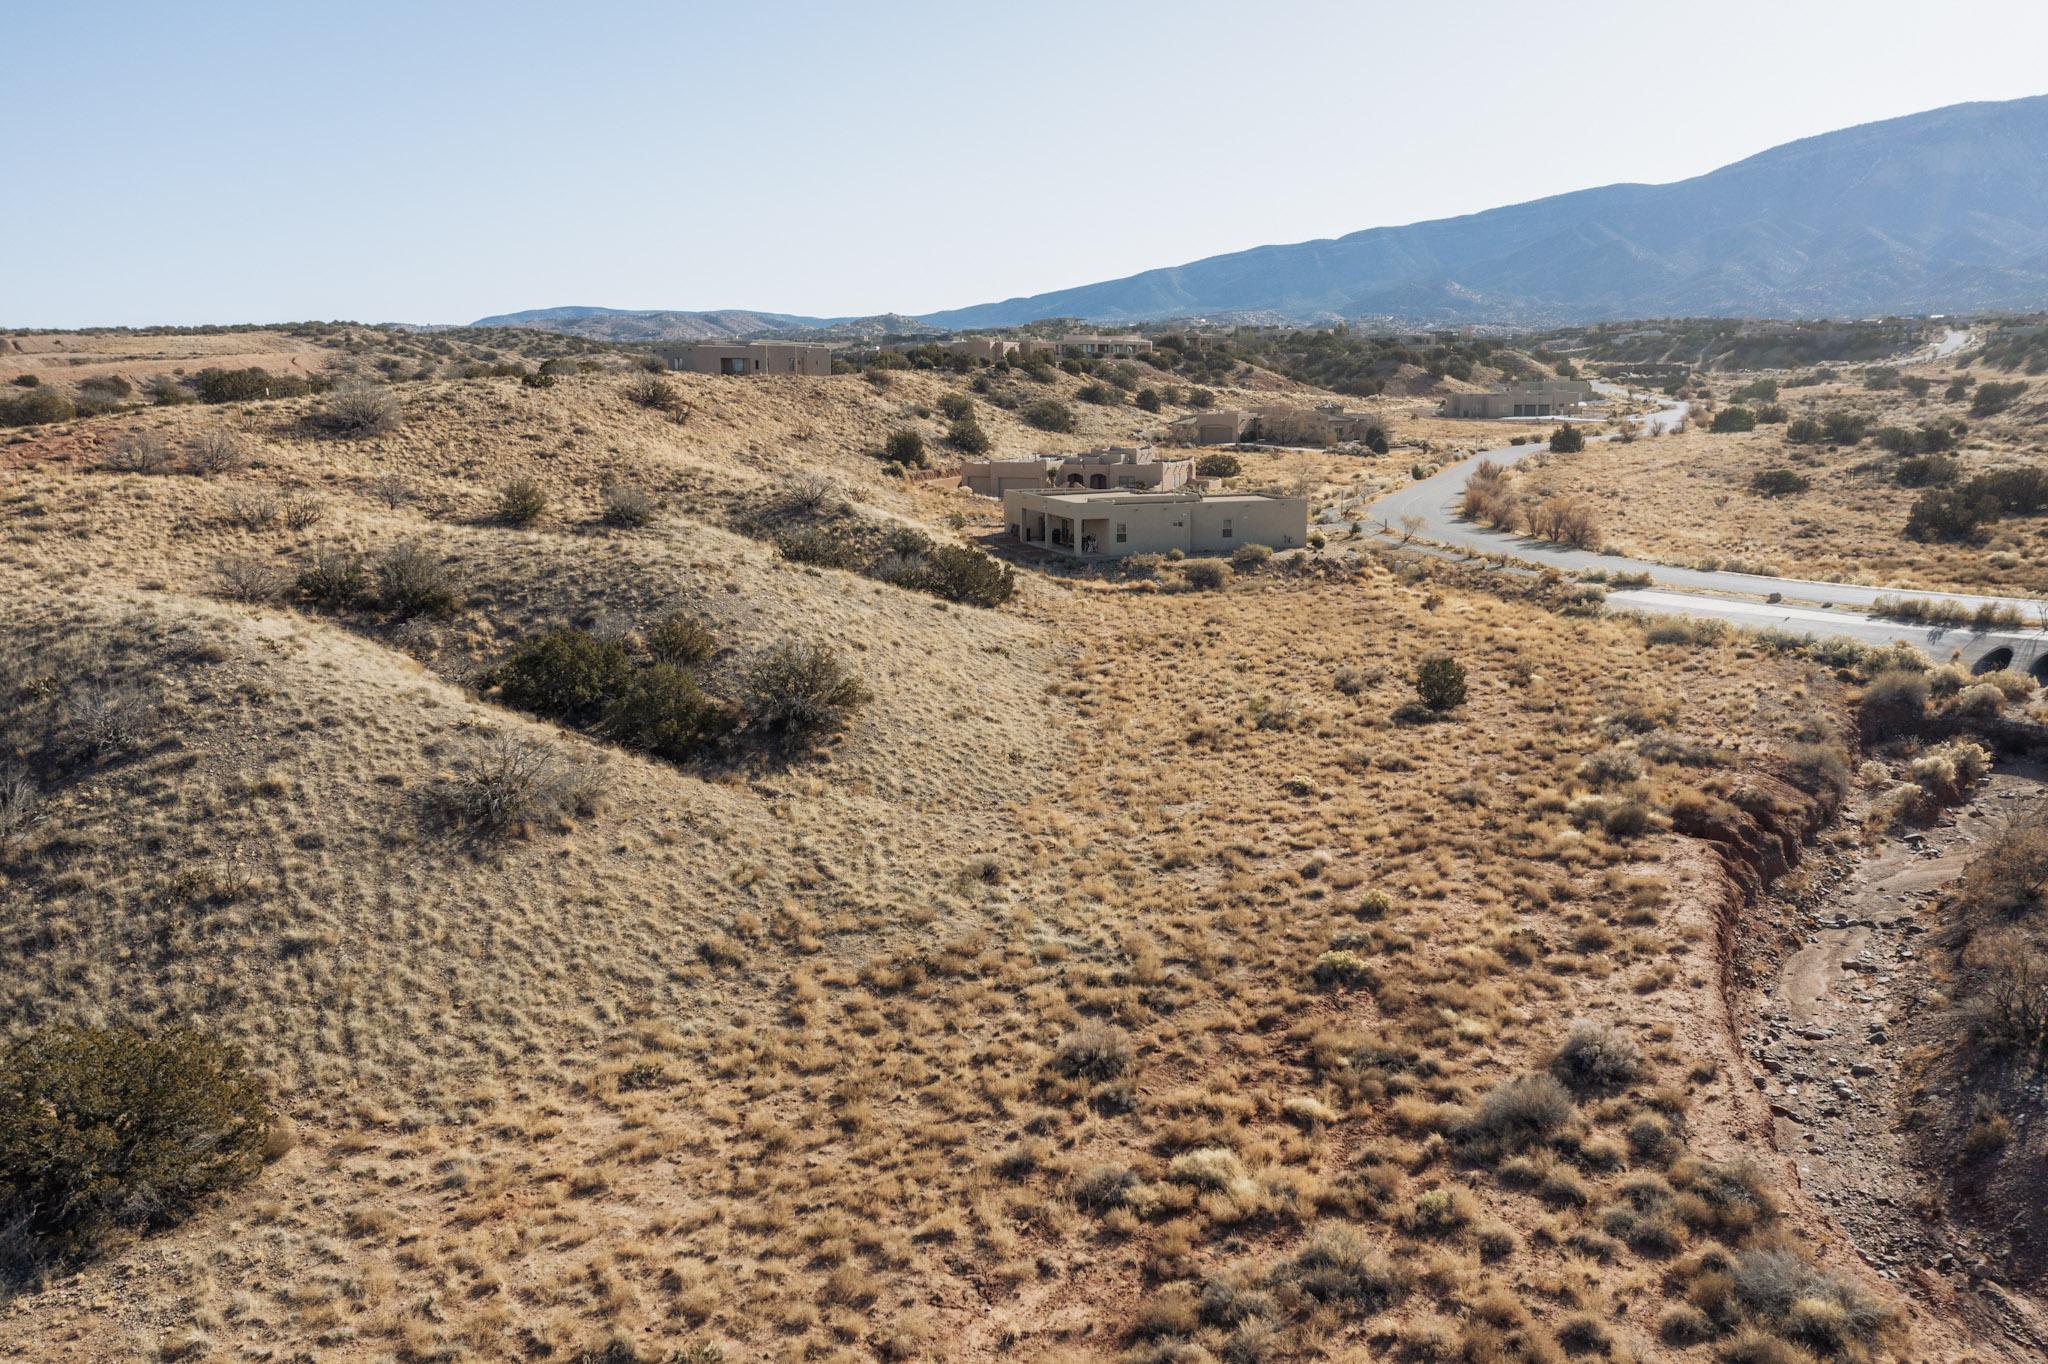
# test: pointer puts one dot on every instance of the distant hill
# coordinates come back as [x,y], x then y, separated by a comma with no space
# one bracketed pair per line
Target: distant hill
[625,324]
[642,325]
[1934,212]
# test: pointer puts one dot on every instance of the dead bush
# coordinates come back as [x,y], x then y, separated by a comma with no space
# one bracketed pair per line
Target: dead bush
[141,452]
[218,450]
[511,783]
[412,581]
[358,410]
[251,578]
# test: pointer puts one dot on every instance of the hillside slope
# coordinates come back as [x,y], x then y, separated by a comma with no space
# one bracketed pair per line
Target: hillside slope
[1944,210]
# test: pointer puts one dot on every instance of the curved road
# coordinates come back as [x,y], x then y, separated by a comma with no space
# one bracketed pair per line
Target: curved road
[1807,607]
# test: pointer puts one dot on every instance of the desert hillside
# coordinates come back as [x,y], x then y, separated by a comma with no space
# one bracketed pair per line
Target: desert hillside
[1141,963]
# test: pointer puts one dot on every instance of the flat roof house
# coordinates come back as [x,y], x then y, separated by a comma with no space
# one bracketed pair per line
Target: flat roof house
[749,357]
[1112,466]
[980,347]
[1524,398]
[1104,345]
[1217,427]
[994,477]
[1111,525]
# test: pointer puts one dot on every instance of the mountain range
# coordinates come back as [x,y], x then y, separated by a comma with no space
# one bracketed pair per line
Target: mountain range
[1944,211]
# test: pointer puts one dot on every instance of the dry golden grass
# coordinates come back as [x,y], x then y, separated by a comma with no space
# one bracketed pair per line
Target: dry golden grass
[1687,498]
[1114,961]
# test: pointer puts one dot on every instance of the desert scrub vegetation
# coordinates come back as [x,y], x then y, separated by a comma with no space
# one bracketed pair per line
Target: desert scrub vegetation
[759,1053]
[357,411]
[105,1129]
[594,683]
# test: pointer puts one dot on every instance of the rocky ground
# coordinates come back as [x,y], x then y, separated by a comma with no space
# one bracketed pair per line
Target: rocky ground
[1838,1006]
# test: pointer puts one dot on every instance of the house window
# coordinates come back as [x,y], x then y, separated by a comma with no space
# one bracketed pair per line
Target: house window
[1121,535]
[1226,528]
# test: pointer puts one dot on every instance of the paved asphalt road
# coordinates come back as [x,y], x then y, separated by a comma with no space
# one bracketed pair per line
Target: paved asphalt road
[1808,608]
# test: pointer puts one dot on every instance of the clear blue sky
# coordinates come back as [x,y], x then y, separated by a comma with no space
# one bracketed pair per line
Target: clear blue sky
[426,162]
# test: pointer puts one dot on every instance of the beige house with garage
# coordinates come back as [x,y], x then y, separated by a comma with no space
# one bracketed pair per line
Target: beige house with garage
[1111,525]
[1524,398]
[1217,427]
[749,357]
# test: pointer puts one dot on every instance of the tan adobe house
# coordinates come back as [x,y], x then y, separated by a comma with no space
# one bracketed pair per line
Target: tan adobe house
[1219,427]
[1112,466]
[1111,525]
[1524,398]
[749,357]
[1088,345]
[981,347]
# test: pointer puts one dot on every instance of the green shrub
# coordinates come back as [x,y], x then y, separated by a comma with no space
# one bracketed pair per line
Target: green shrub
[904,446]
[1251,558]
[1778,482]
[539,379]
[966,436]
[1734,419]
[1518,1112]
[681,640]
[1219,466]
[1926,471]
[1094,1051]
[1148,399]
[215,385]
[1567,440]
[1050,414]
[564,674]
[521,502]
[102,1128]
[36,407]
[796,693]
[660,708]
[966,575]
[1206,575]
[1993,398]
[1440,683]
[956,407]
[1893,705]
[1339,1266]
[1101,394]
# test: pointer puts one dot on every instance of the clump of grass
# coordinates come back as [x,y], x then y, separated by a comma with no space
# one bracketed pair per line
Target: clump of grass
[1095,1051]
[1338,1266]
[1597,1055]
[629,506]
